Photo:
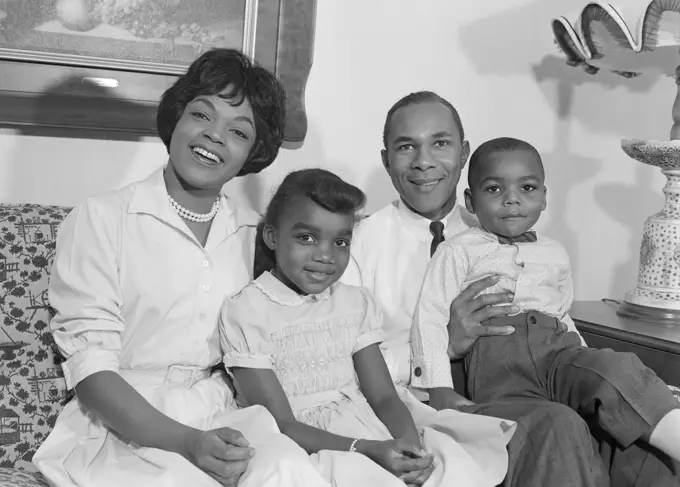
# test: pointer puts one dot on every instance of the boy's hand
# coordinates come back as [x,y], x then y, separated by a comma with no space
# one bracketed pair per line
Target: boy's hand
[467,312]
[447,398]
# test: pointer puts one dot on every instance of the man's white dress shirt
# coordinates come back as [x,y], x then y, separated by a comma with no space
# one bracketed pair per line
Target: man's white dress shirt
[390,253]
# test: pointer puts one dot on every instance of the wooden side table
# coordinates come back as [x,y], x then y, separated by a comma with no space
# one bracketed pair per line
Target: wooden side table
[658,346]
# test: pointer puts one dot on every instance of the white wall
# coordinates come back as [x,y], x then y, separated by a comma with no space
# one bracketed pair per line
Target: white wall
[495,60]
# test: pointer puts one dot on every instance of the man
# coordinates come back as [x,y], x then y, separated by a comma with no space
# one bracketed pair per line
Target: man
[424,152]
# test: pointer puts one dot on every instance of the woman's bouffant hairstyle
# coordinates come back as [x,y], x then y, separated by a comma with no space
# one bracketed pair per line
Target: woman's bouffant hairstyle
[323,187]
[214,72]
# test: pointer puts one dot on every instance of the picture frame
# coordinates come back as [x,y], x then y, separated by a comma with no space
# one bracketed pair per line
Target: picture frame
[53,77]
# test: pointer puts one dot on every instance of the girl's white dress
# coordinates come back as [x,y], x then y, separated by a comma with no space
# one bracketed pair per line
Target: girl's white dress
[308,341]
[135,293]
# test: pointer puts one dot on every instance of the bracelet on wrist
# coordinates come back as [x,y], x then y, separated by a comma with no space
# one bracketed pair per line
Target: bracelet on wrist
[353,446]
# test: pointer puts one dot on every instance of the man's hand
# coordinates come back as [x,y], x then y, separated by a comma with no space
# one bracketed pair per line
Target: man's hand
[221,453]
[467,312]
[446,398]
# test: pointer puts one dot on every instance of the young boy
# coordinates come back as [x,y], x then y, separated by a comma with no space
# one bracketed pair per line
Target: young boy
[544,357]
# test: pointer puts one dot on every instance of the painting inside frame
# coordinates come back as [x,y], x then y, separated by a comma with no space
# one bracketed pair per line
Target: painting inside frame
[149,35]
[102,65]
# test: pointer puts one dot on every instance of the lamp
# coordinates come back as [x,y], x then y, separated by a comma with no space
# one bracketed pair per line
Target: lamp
[600,39]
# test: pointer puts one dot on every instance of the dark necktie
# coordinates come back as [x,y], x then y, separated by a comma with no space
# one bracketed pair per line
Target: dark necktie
[529,236]
[437,231]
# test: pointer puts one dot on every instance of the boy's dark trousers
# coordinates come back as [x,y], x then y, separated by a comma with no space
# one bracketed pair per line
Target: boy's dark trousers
[614,392]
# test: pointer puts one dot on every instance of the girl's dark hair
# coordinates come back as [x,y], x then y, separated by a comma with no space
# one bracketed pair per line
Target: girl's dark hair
[323,187]
[216,71]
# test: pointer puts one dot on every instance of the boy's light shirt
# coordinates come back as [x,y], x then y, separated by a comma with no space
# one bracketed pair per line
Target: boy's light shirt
[538,273]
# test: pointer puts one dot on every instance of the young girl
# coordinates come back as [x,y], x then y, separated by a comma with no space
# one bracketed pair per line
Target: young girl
[306,347]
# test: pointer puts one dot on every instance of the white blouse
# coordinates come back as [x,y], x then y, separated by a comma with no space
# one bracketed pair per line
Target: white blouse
[134,290]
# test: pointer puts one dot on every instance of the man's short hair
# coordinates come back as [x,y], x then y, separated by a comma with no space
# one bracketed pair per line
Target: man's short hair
[416,98]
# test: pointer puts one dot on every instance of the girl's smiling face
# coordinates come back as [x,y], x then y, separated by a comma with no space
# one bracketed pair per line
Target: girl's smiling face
[311,246]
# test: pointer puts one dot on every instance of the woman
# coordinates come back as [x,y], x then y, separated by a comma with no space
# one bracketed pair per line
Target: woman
[137,283]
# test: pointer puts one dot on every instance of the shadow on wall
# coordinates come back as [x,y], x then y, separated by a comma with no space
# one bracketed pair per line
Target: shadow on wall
[630,205]
[379,186]
[72,109]
[62,162]
[615,118]
[505,43]
[252,188]
[614,198]
[256,190]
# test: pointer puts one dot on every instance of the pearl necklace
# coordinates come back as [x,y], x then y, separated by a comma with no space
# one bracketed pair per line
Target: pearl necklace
[192,215]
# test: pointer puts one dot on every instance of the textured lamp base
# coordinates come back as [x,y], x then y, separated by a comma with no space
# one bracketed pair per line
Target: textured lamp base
[662,316]
[657,295]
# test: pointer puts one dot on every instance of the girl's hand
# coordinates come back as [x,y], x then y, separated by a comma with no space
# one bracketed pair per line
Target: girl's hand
[399,457]
[221,453]
[417,477]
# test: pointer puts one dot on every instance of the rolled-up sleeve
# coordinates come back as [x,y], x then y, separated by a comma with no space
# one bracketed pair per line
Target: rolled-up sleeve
[371,330]
[84,292]
[245,341]
[429,333]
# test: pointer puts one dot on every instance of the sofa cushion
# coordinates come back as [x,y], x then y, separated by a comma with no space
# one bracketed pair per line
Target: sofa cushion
[32,387]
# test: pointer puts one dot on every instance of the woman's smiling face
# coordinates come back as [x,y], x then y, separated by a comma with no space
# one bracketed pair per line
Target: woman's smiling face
[212,141]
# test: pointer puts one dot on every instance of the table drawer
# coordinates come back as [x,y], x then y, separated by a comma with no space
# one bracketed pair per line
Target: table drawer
[665,364]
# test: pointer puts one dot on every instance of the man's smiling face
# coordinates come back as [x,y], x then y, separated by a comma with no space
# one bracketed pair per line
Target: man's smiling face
[424,156]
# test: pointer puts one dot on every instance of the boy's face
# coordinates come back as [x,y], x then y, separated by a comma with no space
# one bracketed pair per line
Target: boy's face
[508,194]
[424,157]
[311,246]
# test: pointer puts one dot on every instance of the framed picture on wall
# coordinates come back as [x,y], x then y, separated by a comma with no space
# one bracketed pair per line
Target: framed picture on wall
[103,64]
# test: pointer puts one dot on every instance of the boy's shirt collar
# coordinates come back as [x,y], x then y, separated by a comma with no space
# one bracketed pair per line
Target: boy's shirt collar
[527,237]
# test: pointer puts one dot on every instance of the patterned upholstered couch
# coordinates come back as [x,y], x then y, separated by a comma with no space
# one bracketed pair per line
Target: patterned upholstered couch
[32,387]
